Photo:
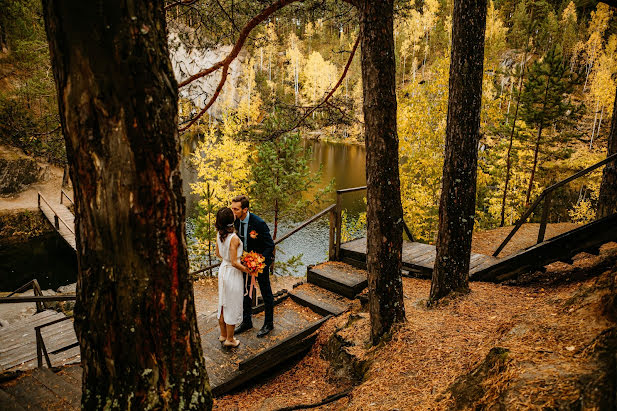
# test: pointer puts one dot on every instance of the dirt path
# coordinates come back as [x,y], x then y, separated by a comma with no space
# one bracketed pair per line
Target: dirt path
[49,187]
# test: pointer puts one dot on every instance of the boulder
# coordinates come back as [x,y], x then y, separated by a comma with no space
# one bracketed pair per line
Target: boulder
[17,172]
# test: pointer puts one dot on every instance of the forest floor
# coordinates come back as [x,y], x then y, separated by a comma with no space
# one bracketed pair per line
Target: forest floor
[545,340]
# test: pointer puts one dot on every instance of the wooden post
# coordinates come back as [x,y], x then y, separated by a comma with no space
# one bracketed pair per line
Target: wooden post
[332,237]
[339,224]
[37,291]
[547,204]
[39,355]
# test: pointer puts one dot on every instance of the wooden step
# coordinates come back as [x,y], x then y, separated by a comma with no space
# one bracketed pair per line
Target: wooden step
[320,303]
[338,278]
[8,402]
[32,395]
[62,387]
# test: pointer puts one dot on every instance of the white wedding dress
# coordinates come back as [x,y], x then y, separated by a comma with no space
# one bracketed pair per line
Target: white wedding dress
[231,284]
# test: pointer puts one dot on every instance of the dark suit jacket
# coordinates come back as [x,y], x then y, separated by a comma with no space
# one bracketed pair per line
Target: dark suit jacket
[263,243]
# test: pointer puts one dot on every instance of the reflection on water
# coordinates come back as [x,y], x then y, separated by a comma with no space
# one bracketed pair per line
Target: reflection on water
[346,163]
[47,258]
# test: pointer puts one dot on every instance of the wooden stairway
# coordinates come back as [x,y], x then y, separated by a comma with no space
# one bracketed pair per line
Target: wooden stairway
[43,389]
[419,259]
[298,316]
[587,238]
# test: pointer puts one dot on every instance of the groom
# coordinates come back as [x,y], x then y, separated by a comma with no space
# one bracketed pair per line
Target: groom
[255,236]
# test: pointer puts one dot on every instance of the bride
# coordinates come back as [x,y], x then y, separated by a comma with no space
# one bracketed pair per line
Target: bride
[231,282]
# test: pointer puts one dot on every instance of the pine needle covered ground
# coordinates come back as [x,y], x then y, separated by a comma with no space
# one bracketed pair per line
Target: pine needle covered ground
[545,344]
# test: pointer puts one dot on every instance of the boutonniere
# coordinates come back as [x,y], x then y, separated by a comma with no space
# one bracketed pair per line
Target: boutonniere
[253,234]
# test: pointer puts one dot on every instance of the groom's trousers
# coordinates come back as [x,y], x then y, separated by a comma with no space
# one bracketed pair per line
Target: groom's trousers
[263,280]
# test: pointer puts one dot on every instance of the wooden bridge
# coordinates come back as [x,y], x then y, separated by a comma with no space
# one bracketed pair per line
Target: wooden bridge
[60,217]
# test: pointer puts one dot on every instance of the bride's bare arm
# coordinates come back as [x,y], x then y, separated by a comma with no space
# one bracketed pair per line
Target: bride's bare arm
[218,253]
[233,254]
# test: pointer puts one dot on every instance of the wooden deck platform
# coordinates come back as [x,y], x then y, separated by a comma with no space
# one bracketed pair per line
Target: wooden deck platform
[418,258]
[294,332]
[18,342]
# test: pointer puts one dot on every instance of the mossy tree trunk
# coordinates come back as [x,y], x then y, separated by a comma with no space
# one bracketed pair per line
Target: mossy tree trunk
[607,200]
[384,209]
[135,316]
[458,196]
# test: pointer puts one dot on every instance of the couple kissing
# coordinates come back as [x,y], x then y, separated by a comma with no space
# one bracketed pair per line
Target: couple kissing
[239,230]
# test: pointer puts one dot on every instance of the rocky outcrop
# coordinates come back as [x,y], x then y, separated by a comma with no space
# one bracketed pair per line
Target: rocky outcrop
[346,350]
[17,172]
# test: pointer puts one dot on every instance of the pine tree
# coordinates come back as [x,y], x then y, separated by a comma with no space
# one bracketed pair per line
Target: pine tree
[280,175]
[546,100]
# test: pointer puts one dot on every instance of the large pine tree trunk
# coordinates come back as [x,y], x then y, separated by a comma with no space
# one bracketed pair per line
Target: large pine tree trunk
[135,315]
[458,196]
[384,210]
[607,200]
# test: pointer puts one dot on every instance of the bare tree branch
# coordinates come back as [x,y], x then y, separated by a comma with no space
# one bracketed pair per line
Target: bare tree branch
[325,100]
[264,14]
[211,101]
[180,3]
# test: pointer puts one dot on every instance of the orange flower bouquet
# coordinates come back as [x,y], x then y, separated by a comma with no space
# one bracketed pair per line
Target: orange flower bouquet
[255,263]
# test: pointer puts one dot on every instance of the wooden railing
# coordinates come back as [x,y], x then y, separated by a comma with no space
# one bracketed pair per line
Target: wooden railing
[335,212]
[335,248]
[37,293]
[57,218]
[546,195]
[41,349]
[63,195]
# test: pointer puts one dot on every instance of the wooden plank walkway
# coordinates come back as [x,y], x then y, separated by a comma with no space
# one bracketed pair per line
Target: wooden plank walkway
[294,325]
[66,223]
[418,258]
[18,341]
[294,328]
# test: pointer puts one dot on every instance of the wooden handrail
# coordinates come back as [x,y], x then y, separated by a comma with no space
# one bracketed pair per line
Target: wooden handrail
[37,292]
[546,194]
[40,196]
[305,223]
[279,240]
[41,349]
[350,190]
[64,194]
[37,298]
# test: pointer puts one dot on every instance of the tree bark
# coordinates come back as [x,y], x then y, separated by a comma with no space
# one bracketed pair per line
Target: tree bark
[135,315]
[536,150]
[607,200]
[458,196]
[384,209]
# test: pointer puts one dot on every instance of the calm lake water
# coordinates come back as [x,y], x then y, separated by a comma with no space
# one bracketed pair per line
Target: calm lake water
[346,163]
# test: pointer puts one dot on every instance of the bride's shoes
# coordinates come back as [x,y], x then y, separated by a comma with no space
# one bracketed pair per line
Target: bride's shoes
[233,344]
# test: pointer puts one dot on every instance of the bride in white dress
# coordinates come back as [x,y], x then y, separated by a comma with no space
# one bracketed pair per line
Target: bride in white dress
[231,282]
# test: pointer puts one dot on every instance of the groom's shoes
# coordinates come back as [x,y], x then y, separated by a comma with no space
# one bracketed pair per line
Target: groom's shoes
[243,327]
[265,330]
